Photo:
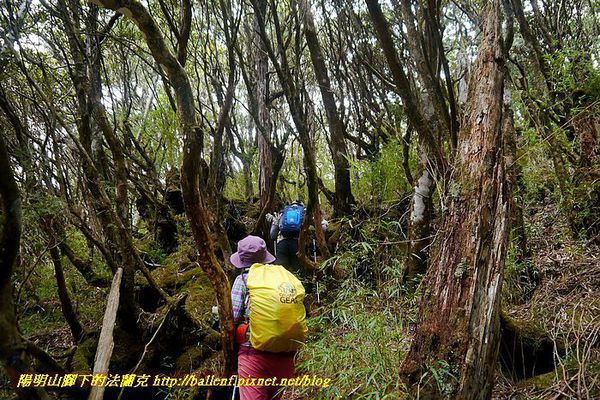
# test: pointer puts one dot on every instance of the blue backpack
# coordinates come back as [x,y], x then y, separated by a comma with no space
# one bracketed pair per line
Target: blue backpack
[291,219]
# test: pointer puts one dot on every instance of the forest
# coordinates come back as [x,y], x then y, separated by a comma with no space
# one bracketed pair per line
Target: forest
[447,154]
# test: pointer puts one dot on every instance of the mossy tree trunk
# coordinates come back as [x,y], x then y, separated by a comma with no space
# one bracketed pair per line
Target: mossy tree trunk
[216,175]
[12,347]
[459,314]
[63,294]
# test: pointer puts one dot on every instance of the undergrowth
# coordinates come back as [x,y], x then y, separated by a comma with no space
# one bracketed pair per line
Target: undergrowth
[359,333]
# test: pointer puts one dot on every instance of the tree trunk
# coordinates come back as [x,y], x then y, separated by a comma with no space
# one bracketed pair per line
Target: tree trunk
[421,216]
[265,175]
[270,157]
[12,347]
[313,209]
[89,106]
[423,49]
[293,97]
[248,188]
[514,176]
[216,174]
[193,196]
[260,221]
[404,90]
[430,120]
[63,295]
[459,314]
[337,142]
[419,231]
[129,255]
[83,266]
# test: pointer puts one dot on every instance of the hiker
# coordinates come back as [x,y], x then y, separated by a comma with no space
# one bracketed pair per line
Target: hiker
[285,228]
[269,315]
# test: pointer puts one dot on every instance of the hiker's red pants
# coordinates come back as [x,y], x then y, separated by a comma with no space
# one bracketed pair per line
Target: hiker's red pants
[254,363]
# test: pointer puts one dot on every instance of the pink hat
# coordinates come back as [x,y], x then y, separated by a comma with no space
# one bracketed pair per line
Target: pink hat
[251,250]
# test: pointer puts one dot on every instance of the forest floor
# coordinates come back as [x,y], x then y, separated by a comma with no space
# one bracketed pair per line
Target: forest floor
[361,322]
[565,303]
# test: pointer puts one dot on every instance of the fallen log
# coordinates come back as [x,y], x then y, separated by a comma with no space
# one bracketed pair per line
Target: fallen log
[106,343]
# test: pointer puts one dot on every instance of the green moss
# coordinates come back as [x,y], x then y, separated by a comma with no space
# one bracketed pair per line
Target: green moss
[148,245]
[127,350]
[42,323]
[179,275]
[530,331]
[79,245]
[200,299]
[84,356]
[180,259]
[193,357]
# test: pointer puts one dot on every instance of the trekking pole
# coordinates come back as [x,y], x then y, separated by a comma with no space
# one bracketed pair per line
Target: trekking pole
[274,221]
[318,298]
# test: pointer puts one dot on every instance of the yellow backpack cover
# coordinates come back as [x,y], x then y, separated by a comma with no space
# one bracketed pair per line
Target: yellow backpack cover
[277,314]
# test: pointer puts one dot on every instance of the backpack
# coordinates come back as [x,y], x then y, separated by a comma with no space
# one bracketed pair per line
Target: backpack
[277,314]
[291,219]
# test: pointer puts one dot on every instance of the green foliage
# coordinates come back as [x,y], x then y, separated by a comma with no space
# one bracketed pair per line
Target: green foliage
[519,279]
[235,185]
[42,206]
[47,316]
[592,86]
[381,180]
[539,181]
[78,243]
[360,333]
[375,254]
[159,132]
[147,245]
[443,375]
[357,340]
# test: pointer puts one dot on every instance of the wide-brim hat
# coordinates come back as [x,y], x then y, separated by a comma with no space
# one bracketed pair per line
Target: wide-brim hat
[251,250]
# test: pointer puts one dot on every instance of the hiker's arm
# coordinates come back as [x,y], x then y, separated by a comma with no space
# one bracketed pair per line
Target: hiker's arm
[274,220]
[238,294]
[274,231]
